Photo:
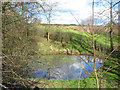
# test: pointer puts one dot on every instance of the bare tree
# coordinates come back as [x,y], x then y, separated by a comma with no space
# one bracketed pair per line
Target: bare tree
[17,48]
[94,45]
[48,12]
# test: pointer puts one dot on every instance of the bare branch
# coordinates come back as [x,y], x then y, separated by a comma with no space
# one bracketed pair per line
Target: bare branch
[108,57]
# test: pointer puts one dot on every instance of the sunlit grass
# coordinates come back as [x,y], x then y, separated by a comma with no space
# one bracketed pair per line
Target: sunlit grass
[80,41]
[88,82]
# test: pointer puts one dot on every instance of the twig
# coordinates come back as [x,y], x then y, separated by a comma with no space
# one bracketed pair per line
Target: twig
[4,86]
[107,57]
[110,69]
[86,63]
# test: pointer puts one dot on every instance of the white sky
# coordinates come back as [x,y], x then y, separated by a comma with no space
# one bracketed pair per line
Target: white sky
[81,9]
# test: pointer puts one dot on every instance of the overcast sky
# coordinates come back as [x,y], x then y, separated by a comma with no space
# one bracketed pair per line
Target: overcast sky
[81,9]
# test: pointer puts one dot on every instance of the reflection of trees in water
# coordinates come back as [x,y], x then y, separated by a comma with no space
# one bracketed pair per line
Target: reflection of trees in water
[53,60]
[66,71]
[66,67]
[59,72]
[91,59]
[48,73]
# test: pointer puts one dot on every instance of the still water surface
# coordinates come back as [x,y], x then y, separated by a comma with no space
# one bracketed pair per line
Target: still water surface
[63,67]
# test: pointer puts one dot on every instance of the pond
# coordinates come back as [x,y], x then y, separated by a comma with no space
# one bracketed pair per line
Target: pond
[63,67]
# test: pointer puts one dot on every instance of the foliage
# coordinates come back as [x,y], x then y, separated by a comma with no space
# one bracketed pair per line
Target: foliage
[18,47]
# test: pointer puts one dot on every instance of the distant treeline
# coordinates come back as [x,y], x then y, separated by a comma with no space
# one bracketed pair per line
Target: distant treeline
[61,24]
[67,25]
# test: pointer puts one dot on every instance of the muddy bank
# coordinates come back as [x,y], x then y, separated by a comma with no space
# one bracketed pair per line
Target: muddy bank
[64,52]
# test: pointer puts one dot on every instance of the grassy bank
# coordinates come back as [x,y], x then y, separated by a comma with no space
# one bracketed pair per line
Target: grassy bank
[62,39]
[88,82]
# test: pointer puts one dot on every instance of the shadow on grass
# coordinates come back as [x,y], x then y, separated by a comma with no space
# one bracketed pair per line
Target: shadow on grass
[80,42]
[113,60]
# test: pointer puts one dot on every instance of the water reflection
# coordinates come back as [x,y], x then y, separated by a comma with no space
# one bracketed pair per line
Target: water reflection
[64,67]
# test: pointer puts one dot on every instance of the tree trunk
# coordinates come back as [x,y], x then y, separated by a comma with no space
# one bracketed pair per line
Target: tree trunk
[48,36]
[111,28]
[118,40]
[95,44]
[111,42]
[96,76]
[62,40]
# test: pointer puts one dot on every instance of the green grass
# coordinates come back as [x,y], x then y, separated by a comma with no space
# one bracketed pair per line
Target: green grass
[81,41]
[89,82]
